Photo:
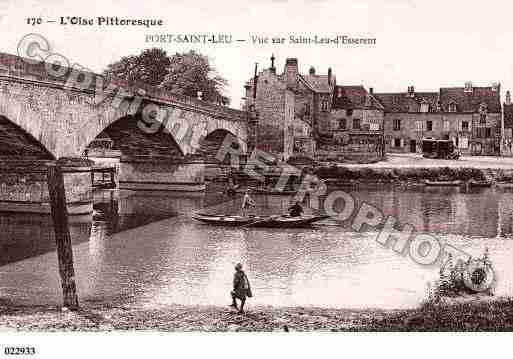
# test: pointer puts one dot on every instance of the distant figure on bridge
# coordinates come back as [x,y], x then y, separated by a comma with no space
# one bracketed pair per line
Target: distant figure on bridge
[296,210]
[241,288]
[247,202]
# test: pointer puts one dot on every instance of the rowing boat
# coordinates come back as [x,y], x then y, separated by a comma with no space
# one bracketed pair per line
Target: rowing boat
[256,221]
[443,183]
[475,183]
[223,220]
[287,221]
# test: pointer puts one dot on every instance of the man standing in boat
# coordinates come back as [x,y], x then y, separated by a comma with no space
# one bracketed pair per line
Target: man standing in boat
[247,202]
[241,288]
[296,210]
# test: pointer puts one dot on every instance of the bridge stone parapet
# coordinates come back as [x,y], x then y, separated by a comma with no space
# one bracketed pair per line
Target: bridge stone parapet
[89,82]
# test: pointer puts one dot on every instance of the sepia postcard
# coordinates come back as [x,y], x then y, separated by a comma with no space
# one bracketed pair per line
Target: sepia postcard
[312,166]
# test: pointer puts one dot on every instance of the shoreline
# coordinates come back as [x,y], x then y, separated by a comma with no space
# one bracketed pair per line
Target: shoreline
[471,314]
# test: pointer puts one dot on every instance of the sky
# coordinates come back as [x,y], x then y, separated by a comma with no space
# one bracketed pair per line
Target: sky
[428,44]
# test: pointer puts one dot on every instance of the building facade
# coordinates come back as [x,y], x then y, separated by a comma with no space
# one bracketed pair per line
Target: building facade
[308,114]
[291,108]
[469,116]
[355,128]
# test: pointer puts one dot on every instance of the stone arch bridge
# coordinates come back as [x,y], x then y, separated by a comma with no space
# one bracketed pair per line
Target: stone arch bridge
[156,140]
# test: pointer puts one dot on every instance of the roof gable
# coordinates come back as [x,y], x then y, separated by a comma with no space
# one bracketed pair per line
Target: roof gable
[318,83]
[354,97]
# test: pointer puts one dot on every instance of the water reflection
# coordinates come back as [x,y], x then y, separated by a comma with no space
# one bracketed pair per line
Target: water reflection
[143,248]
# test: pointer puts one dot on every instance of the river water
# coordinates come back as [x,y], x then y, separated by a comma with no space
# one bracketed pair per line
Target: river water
[142,248]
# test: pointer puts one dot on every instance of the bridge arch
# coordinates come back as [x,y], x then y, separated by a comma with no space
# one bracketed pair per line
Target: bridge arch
[186,127]
[18,143]
[210,144]
[128,136]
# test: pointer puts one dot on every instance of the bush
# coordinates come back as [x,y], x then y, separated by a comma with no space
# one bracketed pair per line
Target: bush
[450,282]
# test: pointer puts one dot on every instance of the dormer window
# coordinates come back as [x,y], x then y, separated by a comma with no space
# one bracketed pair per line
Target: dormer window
[324,105]
[424,107]
[452,107]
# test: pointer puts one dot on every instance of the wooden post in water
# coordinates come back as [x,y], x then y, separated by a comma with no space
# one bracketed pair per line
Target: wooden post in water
[62,236]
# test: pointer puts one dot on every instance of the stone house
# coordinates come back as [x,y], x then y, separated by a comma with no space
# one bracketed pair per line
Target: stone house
[355,124]
[470,116]
[291,108]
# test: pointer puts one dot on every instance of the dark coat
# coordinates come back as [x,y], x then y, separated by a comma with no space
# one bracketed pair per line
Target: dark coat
[241,286]
[295,210]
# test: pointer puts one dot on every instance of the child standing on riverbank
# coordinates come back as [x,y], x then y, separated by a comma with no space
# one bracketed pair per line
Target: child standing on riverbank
[241,288]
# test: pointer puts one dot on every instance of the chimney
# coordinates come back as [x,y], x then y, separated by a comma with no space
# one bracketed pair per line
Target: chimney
[312,70]
[329,76]
[272,68]
[508,98]
[411,91]
[468,87]
[371,90]
[291,71]
[496,87]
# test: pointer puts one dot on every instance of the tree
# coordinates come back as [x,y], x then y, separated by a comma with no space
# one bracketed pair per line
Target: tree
[185,74]
[150,67]
[191,73]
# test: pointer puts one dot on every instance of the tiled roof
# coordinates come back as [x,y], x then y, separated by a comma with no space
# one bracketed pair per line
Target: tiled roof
[470,102]
[353,97]
[508,115]
[402,102]
[465,102]
[319,83]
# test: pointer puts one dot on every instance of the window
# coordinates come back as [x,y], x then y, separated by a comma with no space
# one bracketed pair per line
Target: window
[446,126]
[342,124]
[356,124]
[349,112]
[397,125]
[452,107]
[419,125]
[482,118]
[397,142]
[482,132]
[424,107]
[324,105]
[488,132]
[429,125]
[463,142]
[464,125]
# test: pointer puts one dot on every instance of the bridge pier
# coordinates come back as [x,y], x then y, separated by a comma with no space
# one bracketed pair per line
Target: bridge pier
[24,186]
[162,174]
